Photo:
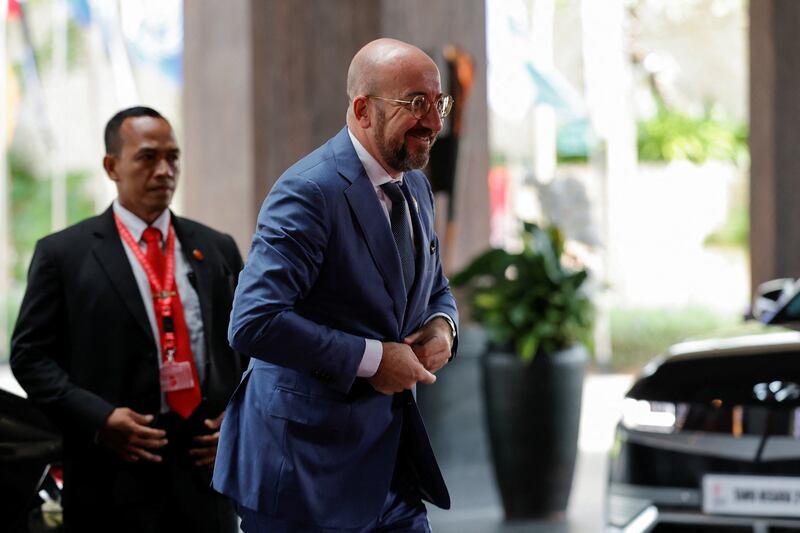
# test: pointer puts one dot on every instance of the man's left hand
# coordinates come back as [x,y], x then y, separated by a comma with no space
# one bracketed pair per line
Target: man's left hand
[432,344]
[206,450]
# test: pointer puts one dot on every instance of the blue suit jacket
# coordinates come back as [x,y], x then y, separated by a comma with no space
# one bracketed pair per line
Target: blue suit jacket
[303,439]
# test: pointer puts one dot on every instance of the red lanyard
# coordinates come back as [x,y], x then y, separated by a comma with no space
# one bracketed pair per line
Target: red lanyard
[163,290]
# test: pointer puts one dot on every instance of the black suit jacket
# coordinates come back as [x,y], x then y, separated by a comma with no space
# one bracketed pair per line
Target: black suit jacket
[83,345]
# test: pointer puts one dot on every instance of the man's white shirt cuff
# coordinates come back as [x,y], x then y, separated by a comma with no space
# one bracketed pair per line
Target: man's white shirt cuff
[371,360]
[446,317]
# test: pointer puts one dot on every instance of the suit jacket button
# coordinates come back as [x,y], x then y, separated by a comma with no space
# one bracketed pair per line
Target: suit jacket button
[433,247]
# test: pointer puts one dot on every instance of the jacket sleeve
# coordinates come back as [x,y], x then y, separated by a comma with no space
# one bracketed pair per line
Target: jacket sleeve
[287,251]
[441,299]
[39,350]
[234,259]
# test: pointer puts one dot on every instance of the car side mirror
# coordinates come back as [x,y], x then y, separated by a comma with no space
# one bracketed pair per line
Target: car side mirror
[778,302]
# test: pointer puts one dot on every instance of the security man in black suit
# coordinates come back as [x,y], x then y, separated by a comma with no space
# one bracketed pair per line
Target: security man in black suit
[121,338]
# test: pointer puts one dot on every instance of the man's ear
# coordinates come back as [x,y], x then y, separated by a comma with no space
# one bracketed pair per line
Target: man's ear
[361,111]
[109,164]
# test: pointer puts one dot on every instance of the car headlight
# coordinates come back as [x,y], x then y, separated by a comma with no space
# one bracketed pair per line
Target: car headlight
[642,415]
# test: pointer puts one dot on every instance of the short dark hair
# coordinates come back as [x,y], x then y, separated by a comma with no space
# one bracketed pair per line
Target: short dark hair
[112,137]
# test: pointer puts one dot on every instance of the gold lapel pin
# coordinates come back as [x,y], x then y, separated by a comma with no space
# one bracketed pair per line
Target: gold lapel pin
[198,254]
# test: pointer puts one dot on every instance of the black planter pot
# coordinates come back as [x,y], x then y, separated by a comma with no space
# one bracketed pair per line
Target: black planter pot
[533,415]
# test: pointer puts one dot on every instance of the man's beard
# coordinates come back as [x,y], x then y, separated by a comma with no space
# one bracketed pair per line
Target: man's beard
[396,155]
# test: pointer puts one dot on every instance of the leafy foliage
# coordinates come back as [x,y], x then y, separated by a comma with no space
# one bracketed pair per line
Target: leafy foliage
[639,334]
[530,299]
[31,204]
[30,220]
[735,232]
[672,135]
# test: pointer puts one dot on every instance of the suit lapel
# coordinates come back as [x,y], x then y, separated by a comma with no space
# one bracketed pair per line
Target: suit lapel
[371,219]
[110,253]
[420,258]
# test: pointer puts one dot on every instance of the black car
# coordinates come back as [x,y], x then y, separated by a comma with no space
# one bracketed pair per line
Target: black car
[709,439]
[30,476]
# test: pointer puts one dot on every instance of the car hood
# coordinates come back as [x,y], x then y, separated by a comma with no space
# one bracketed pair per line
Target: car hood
[26,434]
[761,367]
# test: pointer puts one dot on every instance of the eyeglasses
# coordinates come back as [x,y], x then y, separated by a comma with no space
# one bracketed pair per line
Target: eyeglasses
[420,105]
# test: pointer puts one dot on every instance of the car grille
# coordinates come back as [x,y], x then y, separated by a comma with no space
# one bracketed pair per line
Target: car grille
[638,464]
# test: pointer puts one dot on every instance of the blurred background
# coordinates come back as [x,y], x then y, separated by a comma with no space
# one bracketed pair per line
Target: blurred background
[657,134]
[623,123]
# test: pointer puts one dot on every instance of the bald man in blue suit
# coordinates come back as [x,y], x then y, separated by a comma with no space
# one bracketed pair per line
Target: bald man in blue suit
[344,308]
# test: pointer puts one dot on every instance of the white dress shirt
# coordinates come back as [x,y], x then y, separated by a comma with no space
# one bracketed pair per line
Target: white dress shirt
[188,295]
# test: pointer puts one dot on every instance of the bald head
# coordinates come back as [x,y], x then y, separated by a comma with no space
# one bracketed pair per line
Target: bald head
[379,63]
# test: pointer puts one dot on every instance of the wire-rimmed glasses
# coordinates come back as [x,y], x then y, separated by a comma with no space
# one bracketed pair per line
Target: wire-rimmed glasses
[420,105]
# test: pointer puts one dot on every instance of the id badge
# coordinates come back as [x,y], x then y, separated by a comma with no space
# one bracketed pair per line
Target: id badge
[176,375]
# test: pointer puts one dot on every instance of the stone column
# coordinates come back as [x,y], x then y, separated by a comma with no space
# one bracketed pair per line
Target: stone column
[431,24]
[220,162]
[774,140]
[265,84]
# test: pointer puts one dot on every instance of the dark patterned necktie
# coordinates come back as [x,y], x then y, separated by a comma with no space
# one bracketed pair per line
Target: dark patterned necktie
[401,231]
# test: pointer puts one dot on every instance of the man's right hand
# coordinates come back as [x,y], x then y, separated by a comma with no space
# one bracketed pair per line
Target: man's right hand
[399,370]
[129,435]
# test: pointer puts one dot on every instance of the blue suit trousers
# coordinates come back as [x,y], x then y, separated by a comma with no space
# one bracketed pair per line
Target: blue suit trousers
[403,512]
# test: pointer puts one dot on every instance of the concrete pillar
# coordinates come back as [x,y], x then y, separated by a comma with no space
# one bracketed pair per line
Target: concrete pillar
[430,24]
[774,140]
[265,84]
[218,179]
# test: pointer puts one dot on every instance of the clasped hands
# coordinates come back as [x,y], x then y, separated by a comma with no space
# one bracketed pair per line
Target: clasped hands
[416,359]
[403,365]
[130,436]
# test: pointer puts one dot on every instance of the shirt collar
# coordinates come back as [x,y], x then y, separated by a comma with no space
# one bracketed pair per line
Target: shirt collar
[376,173]
[137,226]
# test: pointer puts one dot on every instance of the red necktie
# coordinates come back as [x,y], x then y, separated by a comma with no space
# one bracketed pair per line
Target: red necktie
[185,401]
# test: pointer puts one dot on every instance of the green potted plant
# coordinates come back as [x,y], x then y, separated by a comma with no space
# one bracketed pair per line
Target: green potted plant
[538,316]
